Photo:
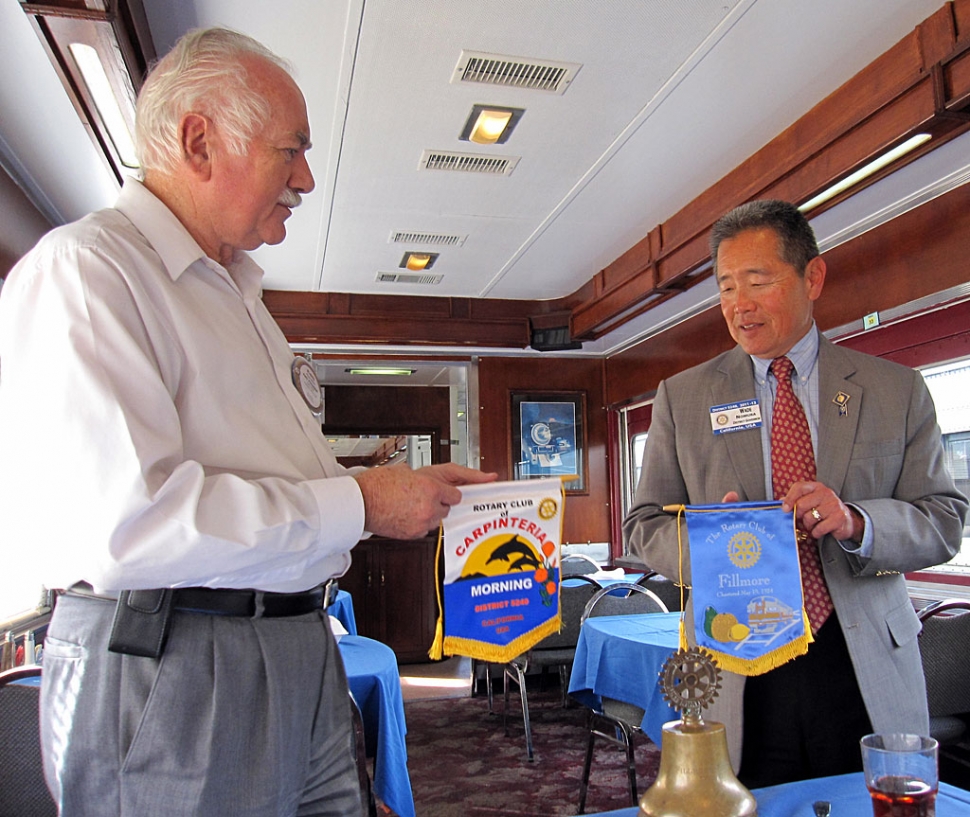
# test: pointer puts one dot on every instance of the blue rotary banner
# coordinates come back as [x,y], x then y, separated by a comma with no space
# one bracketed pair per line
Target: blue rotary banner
[500,585]
[746,585]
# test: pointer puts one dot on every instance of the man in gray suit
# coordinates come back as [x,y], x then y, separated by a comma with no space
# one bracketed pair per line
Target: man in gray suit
[882,503]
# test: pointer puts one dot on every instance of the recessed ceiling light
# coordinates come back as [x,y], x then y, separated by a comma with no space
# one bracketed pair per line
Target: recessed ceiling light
[490,124]
[417,261]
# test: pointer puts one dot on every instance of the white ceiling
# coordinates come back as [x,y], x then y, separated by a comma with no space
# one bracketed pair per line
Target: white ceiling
[670,96]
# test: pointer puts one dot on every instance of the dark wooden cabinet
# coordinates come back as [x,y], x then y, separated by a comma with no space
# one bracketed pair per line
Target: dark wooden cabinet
[392,583]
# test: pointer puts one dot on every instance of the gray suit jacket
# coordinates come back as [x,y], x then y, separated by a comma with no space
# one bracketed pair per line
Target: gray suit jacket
[884,456]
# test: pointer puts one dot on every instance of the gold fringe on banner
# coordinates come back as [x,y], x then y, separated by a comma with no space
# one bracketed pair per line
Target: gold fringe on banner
[436,653]
[541,516]
[733,663]
[498,654]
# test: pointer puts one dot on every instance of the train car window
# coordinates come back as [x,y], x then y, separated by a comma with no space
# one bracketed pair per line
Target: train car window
[950,386]
[20,597]
[634,421]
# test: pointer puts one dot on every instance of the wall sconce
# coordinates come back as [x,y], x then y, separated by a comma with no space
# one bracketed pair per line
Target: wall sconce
[101,53]
[490,124]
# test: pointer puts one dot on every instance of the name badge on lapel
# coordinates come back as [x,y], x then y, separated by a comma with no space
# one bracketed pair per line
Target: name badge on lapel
[735,416]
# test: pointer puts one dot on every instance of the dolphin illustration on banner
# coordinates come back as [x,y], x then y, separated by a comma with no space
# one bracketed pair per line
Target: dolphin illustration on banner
[500,587]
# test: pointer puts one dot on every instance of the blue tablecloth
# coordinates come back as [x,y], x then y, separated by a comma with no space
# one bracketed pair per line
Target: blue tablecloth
[847,793]
[621,657]
[376,685]
[606,580]
[342,609]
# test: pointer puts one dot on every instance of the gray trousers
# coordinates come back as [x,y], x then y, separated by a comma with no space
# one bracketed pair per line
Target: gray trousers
[240,717]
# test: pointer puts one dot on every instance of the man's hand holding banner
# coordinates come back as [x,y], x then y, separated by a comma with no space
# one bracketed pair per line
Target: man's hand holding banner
[501,548]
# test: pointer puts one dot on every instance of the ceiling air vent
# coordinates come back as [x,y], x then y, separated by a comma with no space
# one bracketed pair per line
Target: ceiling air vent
[468,162]
[515,72]
[408,278]
[427,239]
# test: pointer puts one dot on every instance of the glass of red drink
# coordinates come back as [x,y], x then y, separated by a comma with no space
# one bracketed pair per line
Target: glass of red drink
[901,774]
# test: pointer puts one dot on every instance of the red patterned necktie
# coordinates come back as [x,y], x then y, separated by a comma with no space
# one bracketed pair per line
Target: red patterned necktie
[792,460]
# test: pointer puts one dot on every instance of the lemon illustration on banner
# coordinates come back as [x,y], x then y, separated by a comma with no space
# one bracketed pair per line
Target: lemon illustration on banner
[724,627]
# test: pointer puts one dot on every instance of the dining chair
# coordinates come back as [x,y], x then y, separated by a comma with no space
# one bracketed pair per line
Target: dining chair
[577,564]
[617,721]
[23,791]
[360,757]
[572,565]
[623,599]
[666,589]
[944,647]
[556,650]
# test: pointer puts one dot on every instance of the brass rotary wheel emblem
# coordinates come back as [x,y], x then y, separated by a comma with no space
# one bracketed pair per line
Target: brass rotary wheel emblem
[547,508]
[690,680]
[744,549]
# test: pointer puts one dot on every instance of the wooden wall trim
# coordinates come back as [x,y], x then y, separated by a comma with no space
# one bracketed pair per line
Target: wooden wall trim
[341,317]
[931,337]
[320,317]
[920,84]
[405,331]
[918,254]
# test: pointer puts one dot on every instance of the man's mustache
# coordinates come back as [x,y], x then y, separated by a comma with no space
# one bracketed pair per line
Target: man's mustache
[290,198]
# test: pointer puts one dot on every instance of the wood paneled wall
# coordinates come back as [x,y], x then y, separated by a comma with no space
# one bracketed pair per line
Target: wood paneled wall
[390,410]
[922,84]
[587,517]
[922,252]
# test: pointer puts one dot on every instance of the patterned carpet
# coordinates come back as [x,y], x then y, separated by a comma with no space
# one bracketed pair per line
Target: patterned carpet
[463,765]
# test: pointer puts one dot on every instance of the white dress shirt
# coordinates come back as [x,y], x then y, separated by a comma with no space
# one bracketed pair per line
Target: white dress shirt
[150,431]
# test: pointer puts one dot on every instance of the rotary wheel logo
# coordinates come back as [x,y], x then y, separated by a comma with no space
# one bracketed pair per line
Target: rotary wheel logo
[690,679]
[541,434]
[547,508]
[744,549]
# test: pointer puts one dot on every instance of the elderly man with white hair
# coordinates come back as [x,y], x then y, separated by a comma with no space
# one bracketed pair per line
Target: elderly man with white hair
[161,456]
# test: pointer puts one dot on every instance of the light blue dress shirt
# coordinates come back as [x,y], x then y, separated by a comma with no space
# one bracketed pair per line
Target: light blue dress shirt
[804,357]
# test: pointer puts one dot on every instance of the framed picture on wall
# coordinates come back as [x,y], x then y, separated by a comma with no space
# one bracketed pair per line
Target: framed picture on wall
[549,437]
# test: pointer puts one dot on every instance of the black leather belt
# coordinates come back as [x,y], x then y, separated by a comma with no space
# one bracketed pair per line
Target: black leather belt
[229,602]
[248,603]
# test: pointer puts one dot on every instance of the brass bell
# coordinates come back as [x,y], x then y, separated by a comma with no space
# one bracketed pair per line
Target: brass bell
[695,778]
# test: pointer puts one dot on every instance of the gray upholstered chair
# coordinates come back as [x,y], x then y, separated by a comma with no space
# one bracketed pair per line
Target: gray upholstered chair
[577,564]
[945,649]
[617,721]
[23,791]
[556,650]
[666,589]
